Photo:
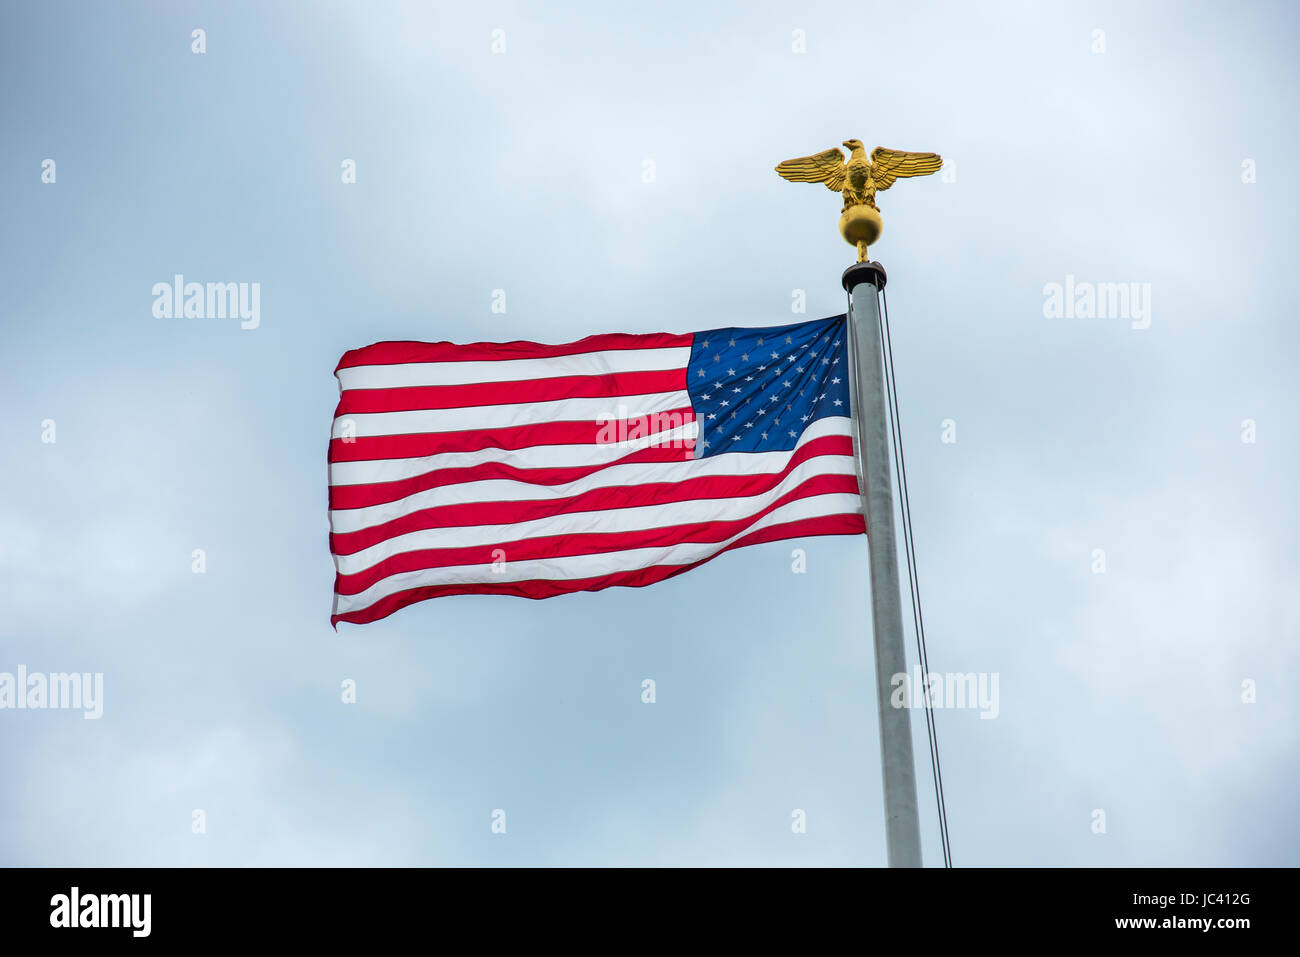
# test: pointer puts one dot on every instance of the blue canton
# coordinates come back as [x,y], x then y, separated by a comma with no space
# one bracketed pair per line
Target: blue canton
[756,390]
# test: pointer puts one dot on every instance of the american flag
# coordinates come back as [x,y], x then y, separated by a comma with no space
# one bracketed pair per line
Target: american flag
[537,470]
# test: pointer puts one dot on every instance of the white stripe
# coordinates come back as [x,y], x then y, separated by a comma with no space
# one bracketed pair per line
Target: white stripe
[377,471]
[481,417]
[404,374]
[605,520]
[593,566]
[634,473]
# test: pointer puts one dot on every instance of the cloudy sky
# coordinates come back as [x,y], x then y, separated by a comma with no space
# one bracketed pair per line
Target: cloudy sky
[1158,151]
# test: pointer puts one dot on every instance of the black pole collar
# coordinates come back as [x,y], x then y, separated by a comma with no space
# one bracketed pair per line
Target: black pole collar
[859,273]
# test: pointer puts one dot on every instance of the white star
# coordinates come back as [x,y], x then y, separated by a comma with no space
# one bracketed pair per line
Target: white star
[717,385]
[827,362]
[725,402]
[749,425]
[788,340]
[744,357]
[838,402]
[706,343]
[712,416]
[702,396]
[793,435]
[701,373]
[775,356]
[732,343]
[735,390]
[762,411]
[760,342]
[749,378]
[765,436]
[806,418]
[835,381]
[786,384]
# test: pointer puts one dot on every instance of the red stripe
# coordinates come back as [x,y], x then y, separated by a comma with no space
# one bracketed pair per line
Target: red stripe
[545,588]
[586,543]
[620,496]
[390,353]
[411,398]
[418,444]
[361,496]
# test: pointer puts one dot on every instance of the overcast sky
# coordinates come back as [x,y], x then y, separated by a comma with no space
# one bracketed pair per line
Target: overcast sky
[1110,158]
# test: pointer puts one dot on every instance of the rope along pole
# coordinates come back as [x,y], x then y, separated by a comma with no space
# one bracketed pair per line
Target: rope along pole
[913,579]
[871,434]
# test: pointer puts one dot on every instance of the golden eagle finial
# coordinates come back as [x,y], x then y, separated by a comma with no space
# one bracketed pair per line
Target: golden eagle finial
[858,179]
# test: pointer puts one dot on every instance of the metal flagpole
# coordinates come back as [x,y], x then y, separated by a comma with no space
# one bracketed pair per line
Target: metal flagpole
[863,281]
[857,179]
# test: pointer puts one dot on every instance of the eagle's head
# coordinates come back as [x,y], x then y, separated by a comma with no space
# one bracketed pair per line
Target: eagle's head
[853,144]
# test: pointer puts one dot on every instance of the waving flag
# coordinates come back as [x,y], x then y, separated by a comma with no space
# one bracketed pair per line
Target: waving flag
[537,470]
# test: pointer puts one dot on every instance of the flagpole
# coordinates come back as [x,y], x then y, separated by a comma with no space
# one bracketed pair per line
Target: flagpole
[863,281]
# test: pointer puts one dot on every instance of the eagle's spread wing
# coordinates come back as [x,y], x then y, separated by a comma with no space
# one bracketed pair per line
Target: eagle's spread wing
[889,165]
[824,167]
